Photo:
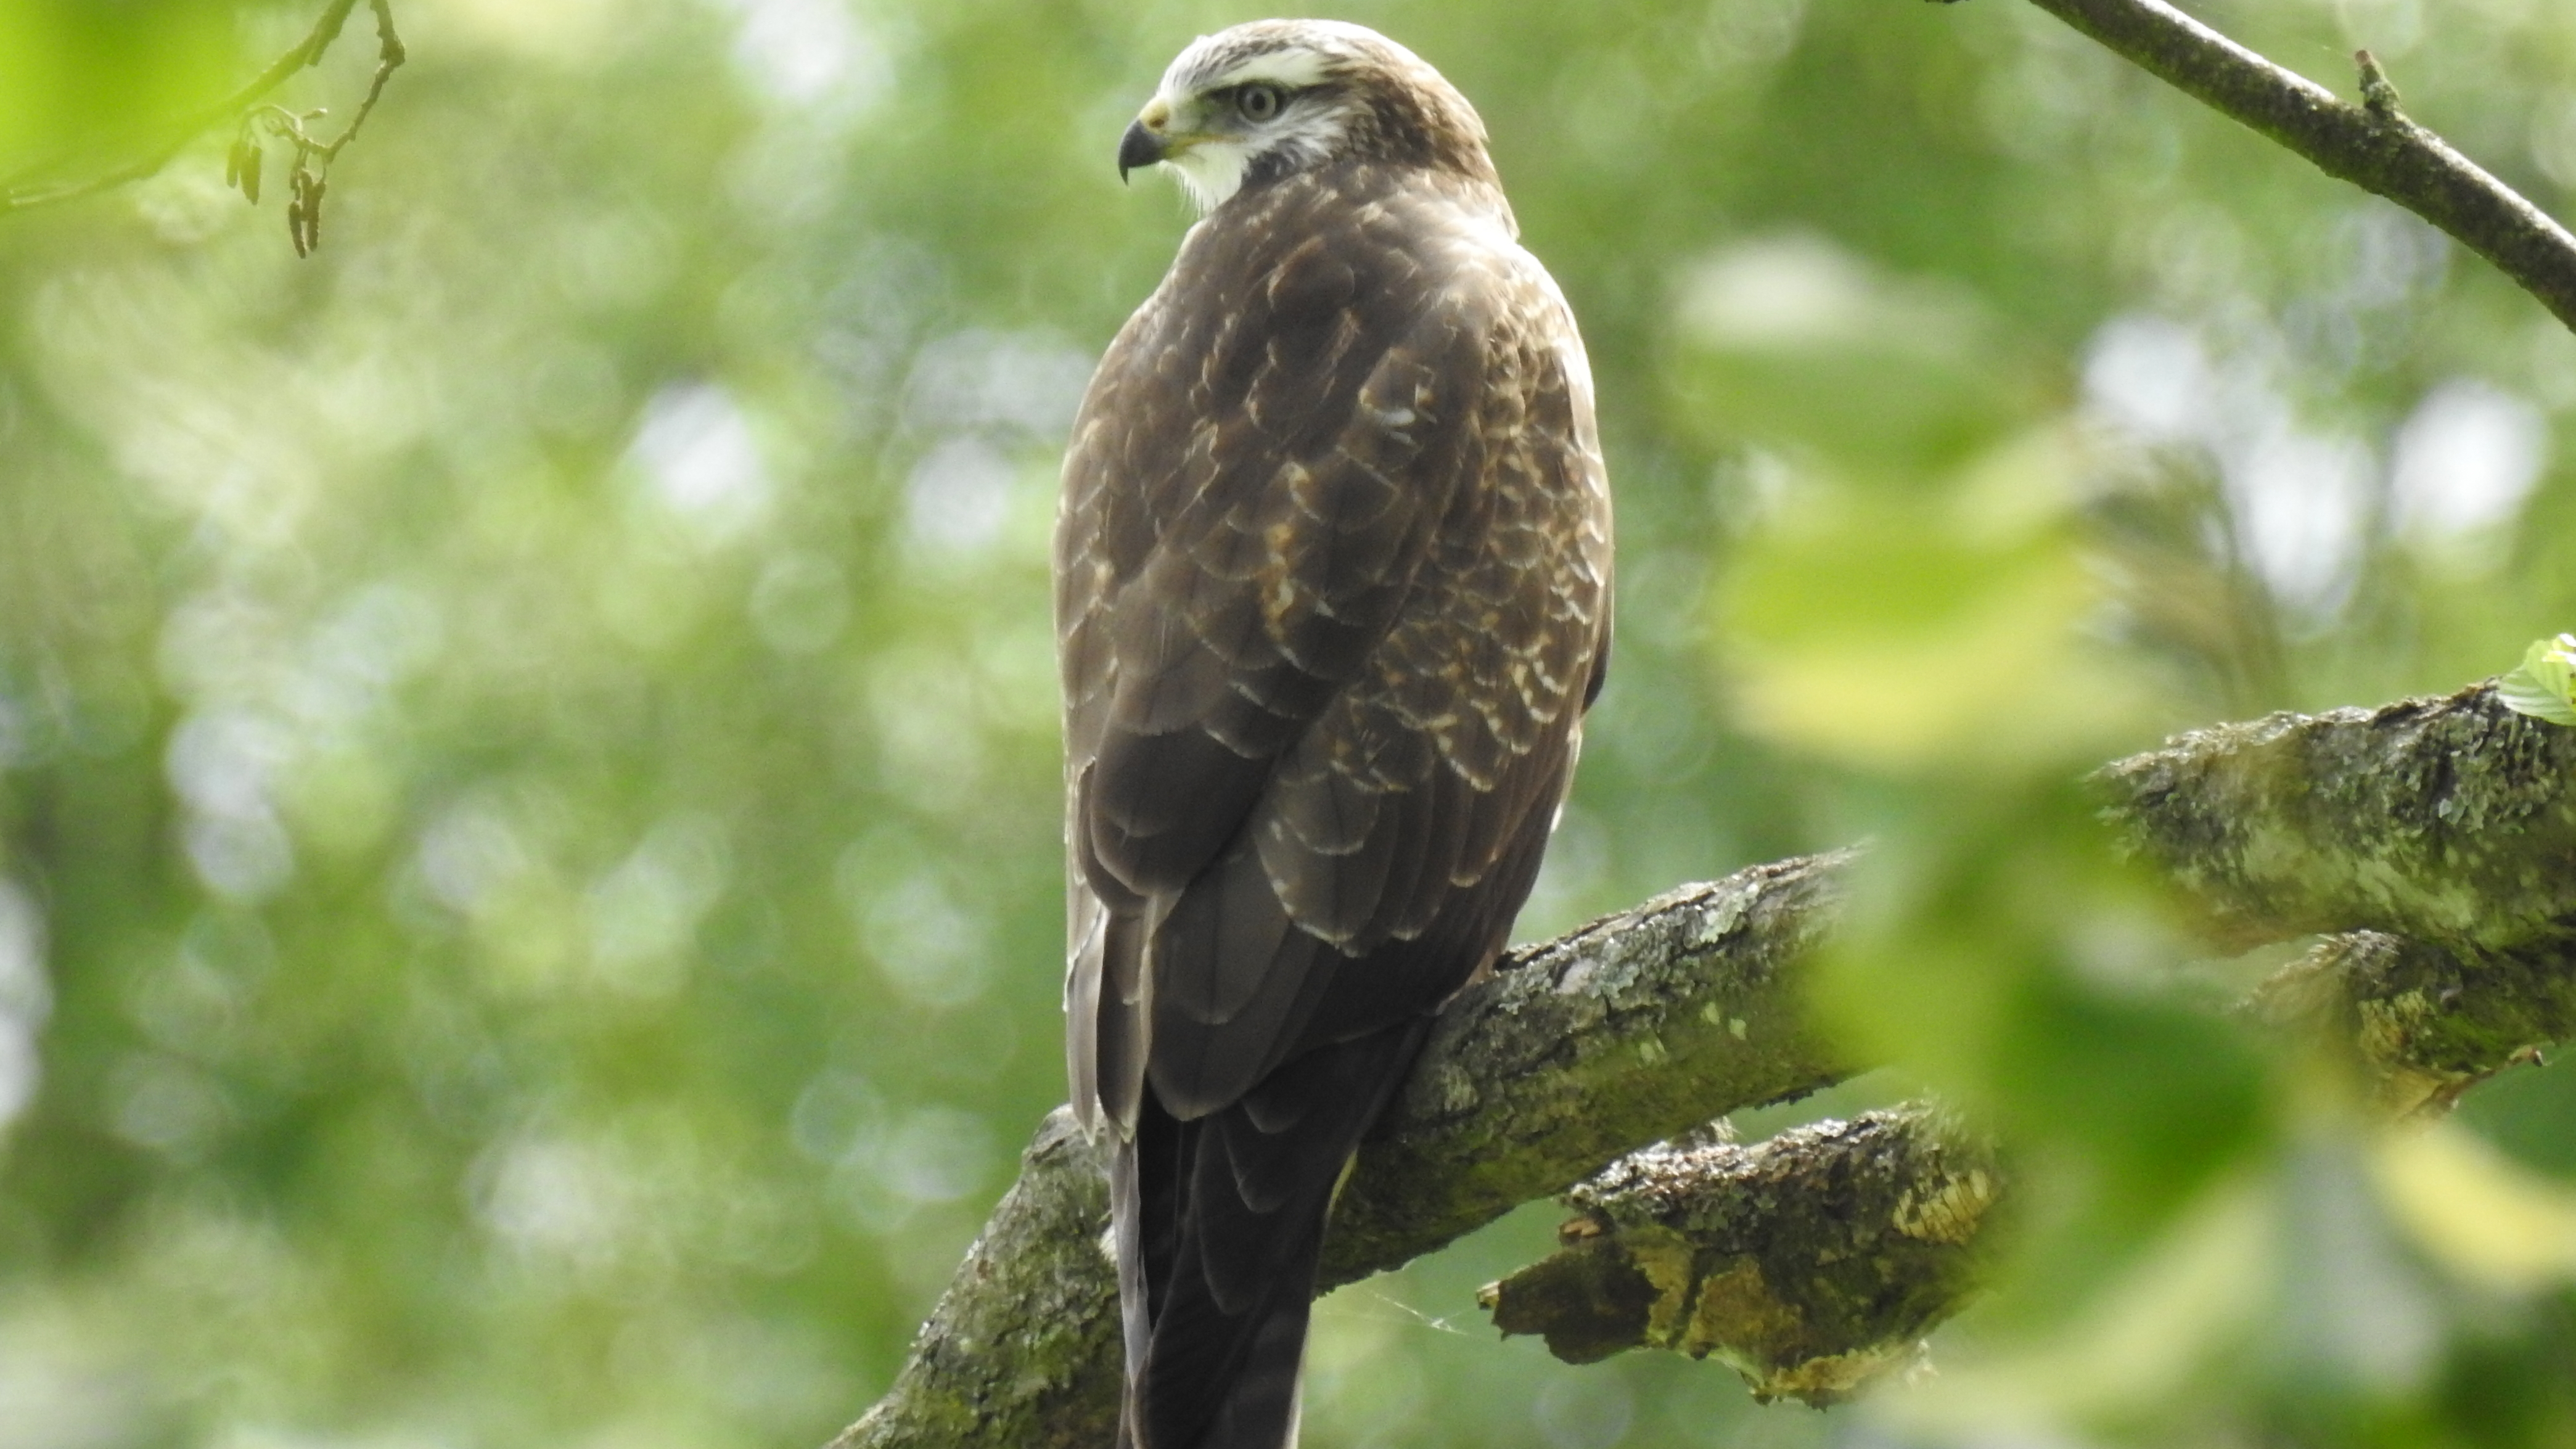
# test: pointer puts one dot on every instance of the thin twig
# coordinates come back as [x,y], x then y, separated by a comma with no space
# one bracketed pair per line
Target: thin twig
[2373,145]
[309,175]
[20,192]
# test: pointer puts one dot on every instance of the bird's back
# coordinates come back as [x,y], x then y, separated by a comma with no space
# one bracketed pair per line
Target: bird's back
[1333,592]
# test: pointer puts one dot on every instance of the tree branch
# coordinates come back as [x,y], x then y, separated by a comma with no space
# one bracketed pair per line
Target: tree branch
[2446,826]
[1023,1347]
[2448,821]
[21,192]
[1809,1263]
[2435,839]
[2424,1024]
[1629,1030]
[2372,145]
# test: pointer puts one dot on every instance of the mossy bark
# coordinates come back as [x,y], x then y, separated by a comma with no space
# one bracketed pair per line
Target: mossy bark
[2425,1024]
[2432,841]
[1809,1263]
[1629,1030]
[1023,1348]
[2447,821]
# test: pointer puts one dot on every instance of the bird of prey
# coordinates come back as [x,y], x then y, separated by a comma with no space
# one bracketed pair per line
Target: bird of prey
[1332,596]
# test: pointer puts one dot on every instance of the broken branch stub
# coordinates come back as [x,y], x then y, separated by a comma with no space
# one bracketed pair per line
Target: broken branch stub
[1809,1263]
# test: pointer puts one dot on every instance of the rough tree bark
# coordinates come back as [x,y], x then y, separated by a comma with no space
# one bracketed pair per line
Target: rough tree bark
[2445,826]
[2445,820]
[1809,1264]
[2433,841]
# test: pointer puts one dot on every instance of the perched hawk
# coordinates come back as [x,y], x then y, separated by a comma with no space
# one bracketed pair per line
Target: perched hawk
[1332,595]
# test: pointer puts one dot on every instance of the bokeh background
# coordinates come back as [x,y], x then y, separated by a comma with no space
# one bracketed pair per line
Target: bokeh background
[529,896]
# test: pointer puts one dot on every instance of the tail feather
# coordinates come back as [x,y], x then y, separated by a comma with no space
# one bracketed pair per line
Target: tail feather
[1220,1225]
[1261,1406]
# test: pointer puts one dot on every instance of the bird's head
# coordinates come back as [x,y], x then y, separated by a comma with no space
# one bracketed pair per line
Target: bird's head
[1274,97]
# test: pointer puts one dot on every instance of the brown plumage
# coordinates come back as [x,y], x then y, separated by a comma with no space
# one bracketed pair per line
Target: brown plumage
[1333,573]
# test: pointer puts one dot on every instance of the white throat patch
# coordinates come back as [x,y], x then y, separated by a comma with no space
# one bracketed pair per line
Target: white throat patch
[1211,171]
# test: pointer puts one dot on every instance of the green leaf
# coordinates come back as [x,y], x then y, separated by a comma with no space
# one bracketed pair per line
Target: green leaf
[2545,686]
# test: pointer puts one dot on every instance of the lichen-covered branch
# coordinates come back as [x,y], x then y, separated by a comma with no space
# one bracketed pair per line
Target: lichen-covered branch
[1809,1263]
[2448,821]
[2431,841]
[2424,1023]
[2372,145]
[1629,1030]
[1023,1348]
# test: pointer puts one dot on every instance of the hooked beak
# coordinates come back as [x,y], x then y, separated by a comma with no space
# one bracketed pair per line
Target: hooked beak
[1139,148]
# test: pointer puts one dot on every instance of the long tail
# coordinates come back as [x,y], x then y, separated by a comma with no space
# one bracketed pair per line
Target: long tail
[1219,1224]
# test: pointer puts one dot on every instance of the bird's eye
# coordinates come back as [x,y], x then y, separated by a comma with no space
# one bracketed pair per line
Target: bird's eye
[1258,102]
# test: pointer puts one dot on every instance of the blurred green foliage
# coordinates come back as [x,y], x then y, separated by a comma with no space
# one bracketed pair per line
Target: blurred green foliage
[528,822]
[79,71]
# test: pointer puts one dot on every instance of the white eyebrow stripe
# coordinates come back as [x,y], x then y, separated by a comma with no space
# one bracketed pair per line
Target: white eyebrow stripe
[1294,69]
